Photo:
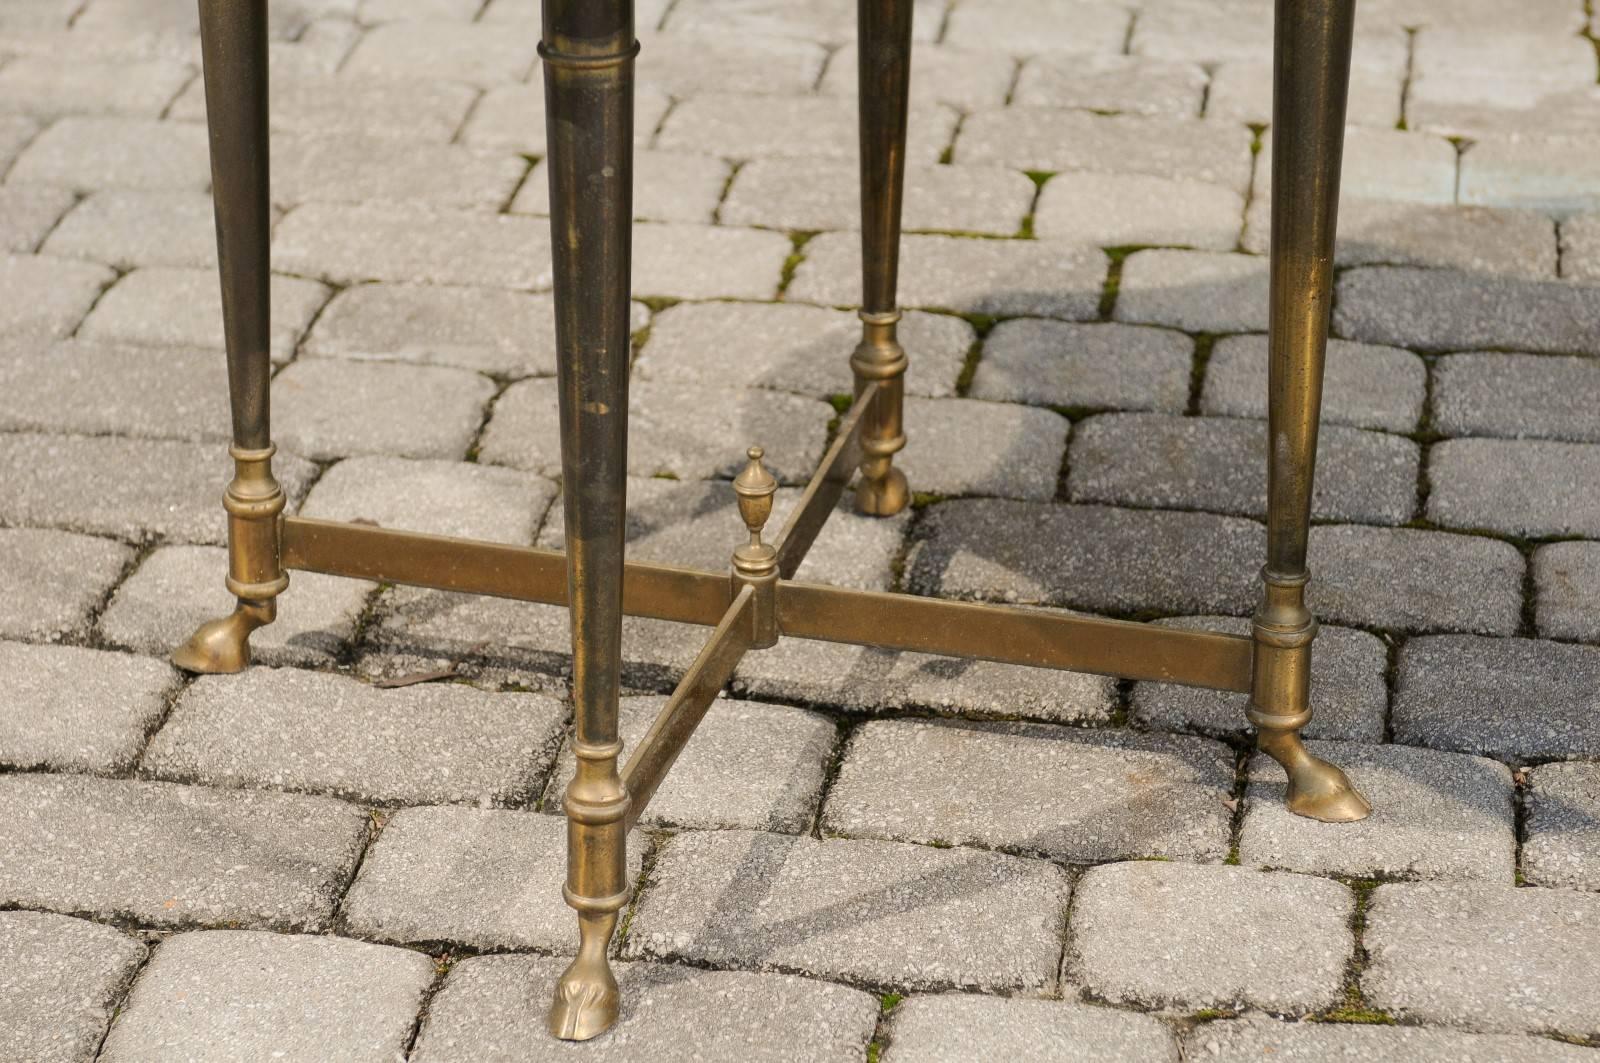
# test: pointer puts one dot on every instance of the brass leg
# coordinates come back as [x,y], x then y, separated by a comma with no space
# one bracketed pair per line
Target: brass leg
[1312,60]
[588,52]
[884,45]
[233,39]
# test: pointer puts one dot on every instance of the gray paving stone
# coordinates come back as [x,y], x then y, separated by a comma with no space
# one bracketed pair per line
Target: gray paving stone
[1580,247]
[1095,365]
[1241,91]
[817,194]
[164,307]
[875,913]
[666,187]
[343,167]
[828,21]
[951,1027]
[1197,291]
[965,80]
[72,709]
[460,499]
[1034,791]
[287,22]
[98,389]
[1442,310]
[128,228]
[1385,164]
[670,1014]
[377,12]
[178,588]
[46,88]
[1537,110]
[1115,210]
[412,889]
[329,408]
[16,133]
[1562,846]
[1219,33]
[129,488]
[793,347]
[1349,694]
[28,213]
[1028,27]
[1188,936]
[1465,63]
[37,15]
[414,107]
[1004,278]
[756,127]
[63,979]
[685,65]
[749,766]
[1123,561]
[1407,579]
[348,245]
[683,431]
[1523,487]
[1517,396]
[862,679]
[312,731]
[477,54]
[1553,173]
[1514,957]
[47,297]
[1218,464]
[1129,84]
[707,262]
[271,996]
[511,117]
[1506,698]
[1434,815]
[57,580]
[1567,581]
[1364,385]
[1040,139]
[1021,457]
[86,153]
[172,856]
[1256,1038]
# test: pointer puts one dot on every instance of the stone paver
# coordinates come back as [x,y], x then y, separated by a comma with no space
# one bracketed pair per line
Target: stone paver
[1530,488]
[1029,27]
[172,856]
[164,307]
[1552,173]
[48,297]
[1580,247]
[178,588]
[1197,291]
[876,913]
[510,117]
[670,1014]
[271,996]
[828,21]
[1005,278]
[86,153]
[409,107]
[1129,84]
[57,580]
[1113,210]
[1241,91]
[73,709]
[965,80]
[1207,32]
[1509,698]
[1434,815]
[1444,310]
[685,65]
[793,347]
[1188,936]
[1567,584]
[346,168]
[1364,385]
[478,54]
[128,228]
[133,489]
[1517,396]
[1406,579]
[28,213]
[707,262]
[414,888]
[1051,363]
[754,127]
[1122,560]
[102,389]
[1490,958]
[1022,458]
[1384,164]
[459,499]
[952,1027]
[1034,791]
[1349,696]
[1562,846]
[330,408]
[666,187]
[296,730]
[749,766]
[1250,1039]
[1218,464]
[61,983]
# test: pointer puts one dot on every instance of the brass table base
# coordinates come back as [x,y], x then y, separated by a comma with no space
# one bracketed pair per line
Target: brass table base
[588,52]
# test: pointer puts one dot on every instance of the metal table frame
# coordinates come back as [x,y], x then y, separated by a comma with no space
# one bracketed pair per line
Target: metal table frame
[589,50]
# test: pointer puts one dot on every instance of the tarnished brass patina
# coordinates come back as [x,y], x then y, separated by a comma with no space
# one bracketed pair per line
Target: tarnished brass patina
[588,51]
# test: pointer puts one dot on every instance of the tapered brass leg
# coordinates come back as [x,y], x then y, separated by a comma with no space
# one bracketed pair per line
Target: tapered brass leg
[884,46]
[588,52]
[1312,72]
[233,39]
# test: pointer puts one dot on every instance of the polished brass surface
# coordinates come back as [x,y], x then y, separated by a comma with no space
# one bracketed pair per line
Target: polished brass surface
[1310,82]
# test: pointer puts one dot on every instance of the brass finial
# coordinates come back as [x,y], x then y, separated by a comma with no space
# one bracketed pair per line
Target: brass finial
[755,487]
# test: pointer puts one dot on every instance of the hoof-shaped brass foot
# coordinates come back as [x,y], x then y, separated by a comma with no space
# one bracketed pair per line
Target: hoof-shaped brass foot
[1318,790]
[222,646]
[587,999]
[884,496]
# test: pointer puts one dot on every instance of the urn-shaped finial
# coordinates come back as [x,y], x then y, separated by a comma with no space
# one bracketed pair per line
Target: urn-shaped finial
[755,487]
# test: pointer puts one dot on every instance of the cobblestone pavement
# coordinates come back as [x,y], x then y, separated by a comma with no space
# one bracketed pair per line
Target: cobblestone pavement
[862,854]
